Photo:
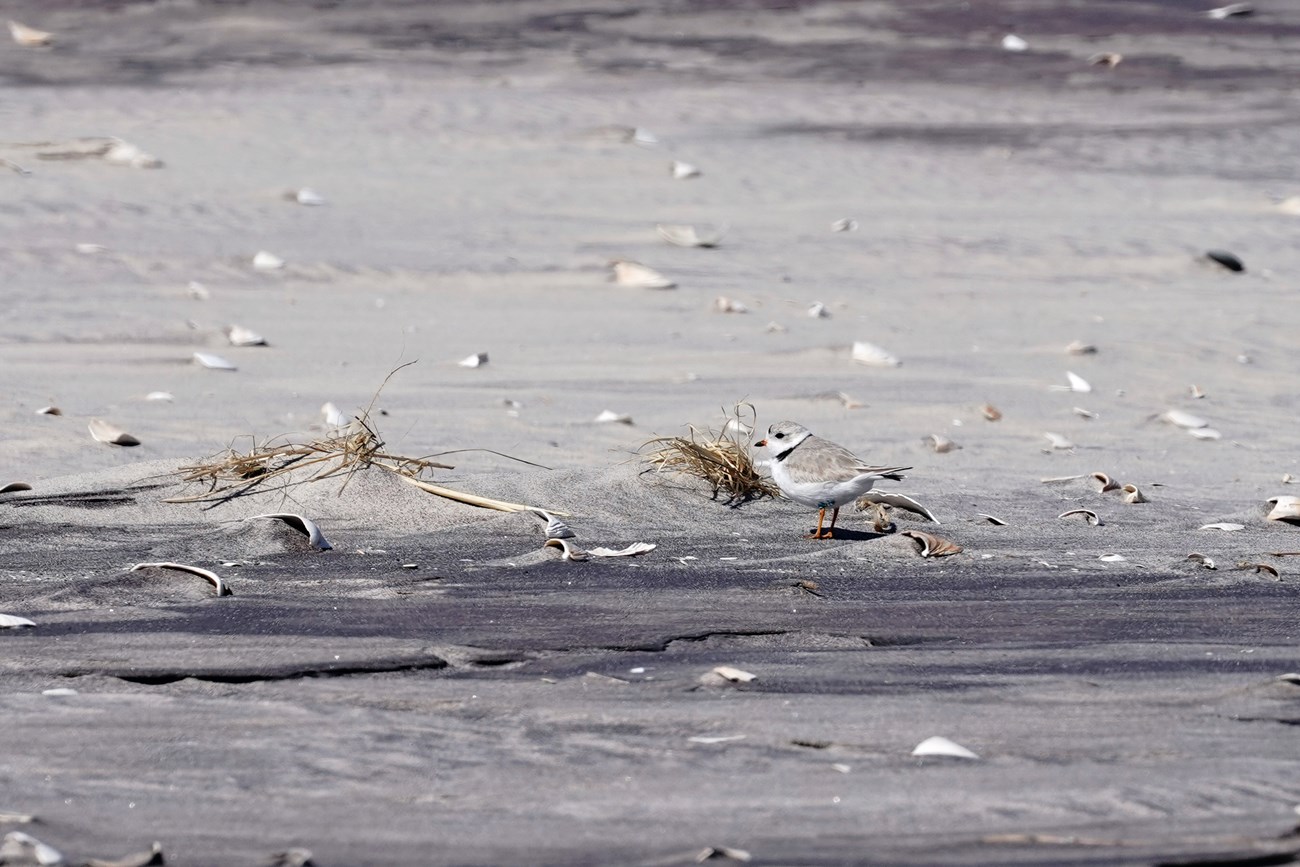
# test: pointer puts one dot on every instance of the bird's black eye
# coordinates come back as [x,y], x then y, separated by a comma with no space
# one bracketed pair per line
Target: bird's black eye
[779,436]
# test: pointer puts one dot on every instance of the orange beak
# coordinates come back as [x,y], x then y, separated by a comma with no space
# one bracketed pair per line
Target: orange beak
[760,444]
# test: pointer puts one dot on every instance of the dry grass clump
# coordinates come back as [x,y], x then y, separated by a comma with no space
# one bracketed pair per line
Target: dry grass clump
[720,458]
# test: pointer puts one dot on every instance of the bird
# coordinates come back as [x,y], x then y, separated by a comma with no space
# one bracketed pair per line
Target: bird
[818,472]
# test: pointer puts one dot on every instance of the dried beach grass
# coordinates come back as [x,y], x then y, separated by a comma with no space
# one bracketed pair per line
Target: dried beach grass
[720,458]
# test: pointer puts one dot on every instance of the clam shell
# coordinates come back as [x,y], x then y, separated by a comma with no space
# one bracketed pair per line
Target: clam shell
[735,675]
[940,444]
[1179,418]
[1205,433]
[1078,347]
[1106,482]
[632,550]
[213,362]
[897,501]
[1226,259]
[1285,508]
[1226,526]
[29,37]
[265,261]
[152,858]
[306,526]
[478,359]
[1260,568]
[1113,558]
[1077,383]
[681,170]
[103,432]
[11,487]
[992,519]
[690,236]
[1057,441]
[20,848]
[123,153]
[938,746]
[1133,495]
[572,552]
[211,577]
[49,410]
[1011,42]
[1206,562]
[238,335]
[873,356]
[12,621]
[634,275]
[844,225]
[991,412]
[608,416]
[1109,59]
[932,545]
[723,304]
[1088,515]
[1232,10]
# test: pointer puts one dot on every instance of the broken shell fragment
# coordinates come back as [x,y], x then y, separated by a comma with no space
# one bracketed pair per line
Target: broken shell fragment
[1259,568]
[818,310]
[20,848]
[265,261]
[932,545]
[1226,526]
[1083,413]
[938,746]
[1088,515]
[1232,10]
[608,416]
[1178,418]
[630,551]
[723,304]
[11,487]
[478,359]
[1011,42]
[1226,259]
[1077,383]
[555,528]
[572,552]
[152,858]
[211,577]
[1078,347]
[238,335]
[1285,508]
[995,521]
[690,236]
[681,171]
[898,501]
[1133,495]
[844,225]
[1109,59]
[1195,392]
[1205,433]
[991,412]
[213,362]
[873,356]
[123,153]
[634,275]
[306,526]
[1057,441]
[29,37]
[305,196]
[940,444]
[1113,558]
[13,621]
[1205,562]
[49,410]
[722,853]
[103,432]
[735,675]
[1106,482]
[334,417]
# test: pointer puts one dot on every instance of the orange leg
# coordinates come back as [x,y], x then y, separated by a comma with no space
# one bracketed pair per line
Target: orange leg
[817,534]
[821,518]
[835,516]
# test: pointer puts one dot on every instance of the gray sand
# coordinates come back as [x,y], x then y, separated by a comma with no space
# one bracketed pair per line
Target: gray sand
[497,705]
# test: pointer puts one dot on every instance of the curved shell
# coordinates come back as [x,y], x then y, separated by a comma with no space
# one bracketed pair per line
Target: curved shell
[690,236]
[212,578]
[1179,418]
[238,335]
[213,362]
[1106,482]
[1132,494]
[303,525]
[572,552]
[1285,508]
[1088,515]
[932,545]
[938,746]
[637,276]
[10,487]
[265,261]
[13,621]
[873,356]
[103,432]
[29,37]
[681,171]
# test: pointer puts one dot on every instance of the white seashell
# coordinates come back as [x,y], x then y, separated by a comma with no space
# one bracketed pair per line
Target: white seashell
[1202,559]
[306,526]
[991,412]
[308,196]
[872,355]
[690,236]
[264,261]
[681,171]
[103,432]
[123,153]
[49,410]
[995,521]
[1109,59]
[1078,347]
[238,335]
[478,359]
[1184,419]
[213,362]
[14,487]
[1011,42]
[844,225]
[1083,413]
[644,137]
[1195,392]
[1225,526]
[12,621]
[712,739]
[1232,10]
[1077,383]
[735,675]
[637,276]
[198,291]
[737,426]
[610,417]
[90,249]
[1057,441]
[1205,433]
[20,848]
[1088,515]
[723,304]
[1288,479]
[160,395]
[1285,508]
[817,310]
[1113,558]
[1106,482]
[211,577]
[937,746]
[572,552]
[1133,495]
[29,37]
[59,692]
[940,444]
[632,550]
[932,545]
[334,417]
[897,501]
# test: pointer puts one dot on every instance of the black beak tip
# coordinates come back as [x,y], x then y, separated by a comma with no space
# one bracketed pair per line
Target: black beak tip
[760,444]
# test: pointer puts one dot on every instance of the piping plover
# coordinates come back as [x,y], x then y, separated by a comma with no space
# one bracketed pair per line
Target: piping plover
[818,472]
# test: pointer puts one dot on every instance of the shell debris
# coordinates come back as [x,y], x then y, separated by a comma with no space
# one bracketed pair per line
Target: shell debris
[571,552]
[1012,42]
[478,359]
[1106,482]
[818,310]
[49,410]
[123,153]
[940,444]
[1205,433]
[13,487]
[213,362]
[634,275]
[165,396]
[1108,59]
[1088,515]
[303,525]
[1227,260]
[221,588]
[1205,562]
[633,550]
[1057,441]
[1225,526]
[683,170]
[1179,418]
[1132,494]
[103,432]
[1232,10]
[21,848]
[1285,508]
[735,675]
[29,37]
[873,356]
[1078,347]
[608,416]
[991,412]
[844,225]
[13,621]
[690,236]
[306,196]
[723,304]
[238,335]
[264,260]
[1077,384]
[932,545]
[940,746]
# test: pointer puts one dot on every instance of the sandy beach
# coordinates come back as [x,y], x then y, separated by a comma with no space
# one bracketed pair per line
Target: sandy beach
[440,688]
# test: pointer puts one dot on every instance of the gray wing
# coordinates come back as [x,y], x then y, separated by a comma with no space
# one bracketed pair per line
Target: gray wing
[828,461]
